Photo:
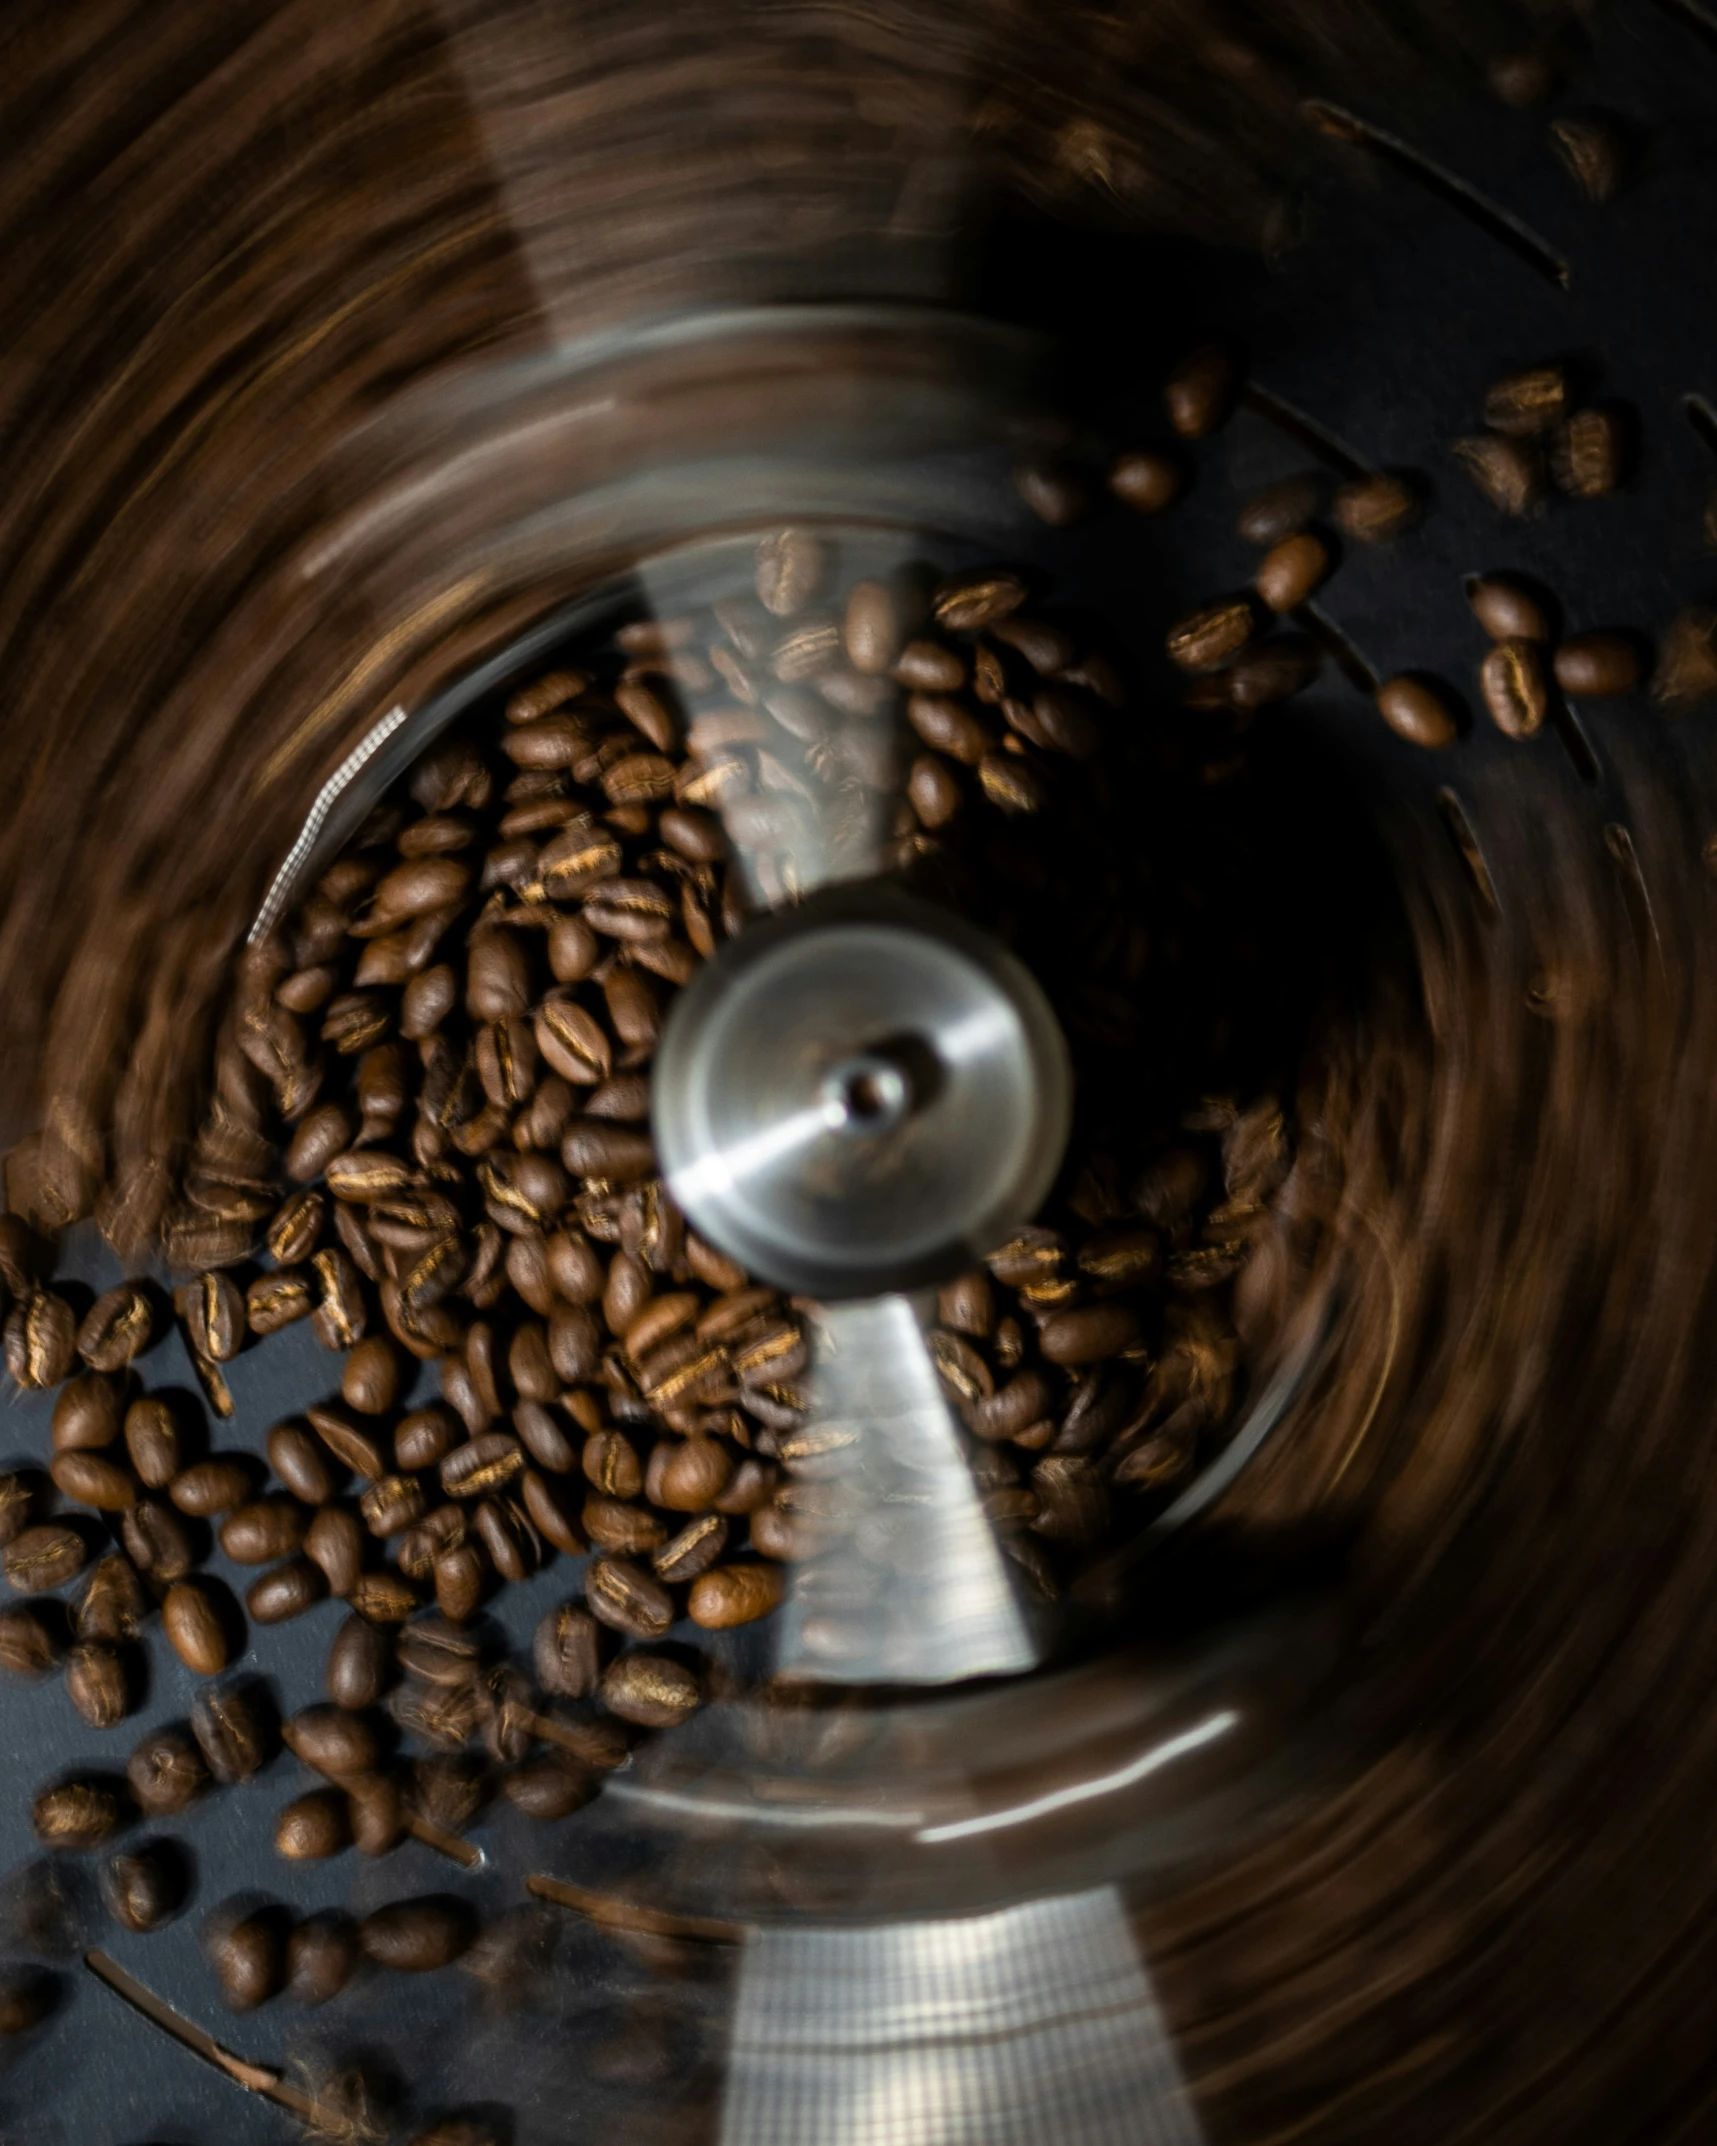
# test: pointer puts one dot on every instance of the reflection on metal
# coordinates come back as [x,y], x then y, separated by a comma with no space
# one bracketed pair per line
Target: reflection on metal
[283,885]
[903,1582]
[1108,1784]
[1035,2026]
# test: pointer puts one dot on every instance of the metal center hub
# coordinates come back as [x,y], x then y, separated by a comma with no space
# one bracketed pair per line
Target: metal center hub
[861,1094]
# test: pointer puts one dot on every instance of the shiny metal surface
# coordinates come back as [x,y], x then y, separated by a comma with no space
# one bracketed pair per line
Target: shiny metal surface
[786,1153]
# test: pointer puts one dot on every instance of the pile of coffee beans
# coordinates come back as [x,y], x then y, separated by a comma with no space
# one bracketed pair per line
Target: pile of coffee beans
[429,1139]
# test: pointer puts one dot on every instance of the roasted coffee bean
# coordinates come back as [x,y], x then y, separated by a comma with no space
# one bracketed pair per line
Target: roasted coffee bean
[1594,151]
[625,1530]
[41,1339]
[551,1785]
[375,1812]
[30,1642]
[1211,637]
[1073,1504]
[323,1133]
[340,1318]
[1090,1335]
[118,1326]
[1271,671]
[87,1413]
[370,1382]
[871,629]
[196,1628]
[17,1501]
[510,1542]
[543,1438]
[414,1936]
[573,1042]
[395,1503]
[698,1545]
[28,1995]
[112,1607]
[1200,392]
[1026,1399]
[383,1597]
[1148,480]
[481,1465]
[301,1465]
[249,1959]
[687,1476]
[1588,455]
[1507,609]
[313,1827]
[1686,673]
[460,1573]
[215,1316]
[77,1814]
[157,1541]
[92,1479]
[1591,666]
[321,1957]
[351,1447]
[297,1225]
[44,1557]
[547,1507]
[1291,570]
[152,1440]
[1509,472]
[611,1464]
[276,1300]
[145,1889]
[98,1684]
[1057,494]
[359,1663]
[1281,510]
[257,1534]
[286,1591]
[566,1652]
[1529,402]
[235,1731]
[212,1486]
[1514,687]
[166,1773]
[1376,509]
[650,1691]
[332,1741]
[334,1541]
[735,1594]
[629,1600]
[1415,710]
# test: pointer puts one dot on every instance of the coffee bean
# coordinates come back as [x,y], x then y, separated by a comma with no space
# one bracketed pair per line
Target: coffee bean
[1208,638]
[76,1814]
[112,1607]
[629,1600]
[687,1476]
[1376,509]
[351,1447]
[1686,673]
[1509,472]
[44,1557]
[625,1530]
[28,1995]
[1514,687]
[325,1132]
[257,1534]
[481,1465]
[334,1542]
[1528,402]
[699,1544]
[510,1542]
[276,1300]
[543,1439]
[547,1508]
[1056,493]
[735,1594]
[1507,609]
[98,1684]
[371,1379]
[1281,510]
[1200,391]
[166,1773]
[215,1316]
[212,1486]
[790,568]
[195,1628]
[1073,1505]
[565,1652]
[235,1731]
[1592,666]
[40,1339]
[118,1326]
[549,1786]
[650,1691]
[1588,455]
[1594,151]
[1147,480]
[157,1541]
[249,1959]
[340,1318]
[1291,570]
[416,1936]
[16,1503]
[1271,671]
[312,1827]
[1024,1400]
[460,1573]
[321,1957]
[383,1597]
[359,1664]
[332,1741]
[287,1591]
[92,1479]
[375,1812]
[29,1641]
[145,1889]
[1416,711]
[296,1226]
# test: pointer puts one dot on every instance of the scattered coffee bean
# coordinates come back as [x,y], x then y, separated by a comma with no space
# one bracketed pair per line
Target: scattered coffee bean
[118,1326]
[249,1959]
[235,1731]
[214,1486]
[416,1936]
[1593,666]
[44,1557]
[1147,480]
[332,1741]
[1588,455]
[1528,403]
[313,1827]
[152,1440]
[1416,711]
[77,1814]
[166,1773]
[30,1644]
[1507,609]
[195,1627]
[28,1995]
[287,1591]
[1291,570]
[40,1339]
[1509,472]
[1594,151]
[98,1683]
[1376,509]
[92,1479]
[1211,637]
[1514,687]
[649,1690]
[1199,393]
[146,1888]
[321,1958]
